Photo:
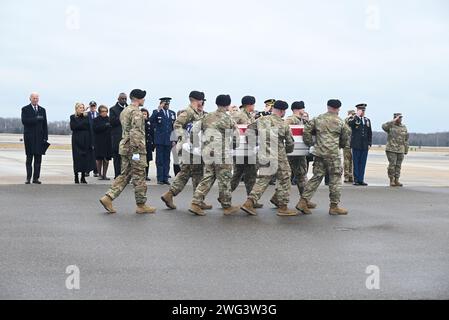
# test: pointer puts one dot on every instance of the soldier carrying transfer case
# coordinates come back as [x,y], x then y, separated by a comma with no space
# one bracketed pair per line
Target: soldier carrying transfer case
[397,147]
[276,141]
[331,134]
[190,169]
[133,153]
[220,134]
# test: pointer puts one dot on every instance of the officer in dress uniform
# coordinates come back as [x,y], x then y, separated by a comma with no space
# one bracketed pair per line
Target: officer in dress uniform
[361,142]
[162,121]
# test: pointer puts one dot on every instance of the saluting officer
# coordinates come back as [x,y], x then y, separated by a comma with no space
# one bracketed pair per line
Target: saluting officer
[162,121]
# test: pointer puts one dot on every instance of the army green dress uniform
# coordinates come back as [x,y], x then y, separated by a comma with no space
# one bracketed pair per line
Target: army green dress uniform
[220,135]
[397,148]
[331,135]
[133,154]
[298,163]
[246,169]
[184,123]
[273,161]
[347,152]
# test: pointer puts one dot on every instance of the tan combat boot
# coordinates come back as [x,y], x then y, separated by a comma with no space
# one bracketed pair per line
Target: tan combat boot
[167,198]
[392,184]
[196,209]
[275,201]
[106,201]
[248,207]
[206,206]
[258,205]
[231,210]
[397,183]
[144,209]
[303,206]
[335,210]
[284,211]
[311,205]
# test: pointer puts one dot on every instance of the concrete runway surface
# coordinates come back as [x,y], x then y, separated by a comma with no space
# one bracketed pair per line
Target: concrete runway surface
[174,255]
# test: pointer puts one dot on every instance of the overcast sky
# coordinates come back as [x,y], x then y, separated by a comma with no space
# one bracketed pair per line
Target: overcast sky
[393,55]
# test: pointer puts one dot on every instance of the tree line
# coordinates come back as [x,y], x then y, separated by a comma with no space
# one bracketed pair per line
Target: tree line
[440,139]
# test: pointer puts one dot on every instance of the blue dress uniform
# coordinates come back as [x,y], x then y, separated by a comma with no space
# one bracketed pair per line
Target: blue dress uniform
[162,122]
[361,140]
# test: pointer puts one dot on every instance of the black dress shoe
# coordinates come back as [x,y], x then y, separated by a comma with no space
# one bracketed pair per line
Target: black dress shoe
[364,184]
[37,182]
[356,184]
[27,182]
[167,183]
[161,183]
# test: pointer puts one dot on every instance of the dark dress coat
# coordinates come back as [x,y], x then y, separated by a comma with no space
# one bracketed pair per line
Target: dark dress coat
[35,130]
[163,126]
[82,152]
[114,117]
[149,132]
[102,137]
[362,134]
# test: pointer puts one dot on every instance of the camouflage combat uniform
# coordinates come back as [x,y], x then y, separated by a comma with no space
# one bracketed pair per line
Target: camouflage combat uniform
[331,134]
[298,164]
[133,142]
[219,166]
[347,157]
[246,169]
[278,165]
[188,170]
[397,147]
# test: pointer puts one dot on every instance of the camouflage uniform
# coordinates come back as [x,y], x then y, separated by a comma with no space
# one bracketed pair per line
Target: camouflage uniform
[298,164]
[347,157]
[188,170]
[331,134]
[277,156]
[219,167]
[133,142]
[247,170]
[397,147]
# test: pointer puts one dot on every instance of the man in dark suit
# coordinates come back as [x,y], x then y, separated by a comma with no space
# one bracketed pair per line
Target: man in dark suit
[361,142]
[35,136]
[116,132]
[162,121]
[92,114]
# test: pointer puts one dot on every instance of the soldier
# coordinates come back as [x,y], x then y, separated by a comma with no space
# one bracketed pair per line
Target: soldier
[347,153]
[298,163]
[219,129]
[183,125]
[361,141]
[397,147]
[247,169]
[133,154]
[274,160]
[331,134]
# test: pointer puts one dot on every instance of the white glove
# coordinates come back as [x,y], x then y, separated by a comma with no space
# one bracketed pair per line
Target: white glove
[136,157]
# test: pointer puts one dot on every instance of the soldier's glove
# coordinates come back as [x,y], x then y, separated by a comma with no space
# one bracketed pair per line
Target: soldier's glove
[136,157]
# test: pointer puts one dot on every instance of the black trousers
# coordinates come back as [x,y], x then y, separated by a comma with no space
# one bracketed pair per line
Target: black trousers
[37,166]
[117,164]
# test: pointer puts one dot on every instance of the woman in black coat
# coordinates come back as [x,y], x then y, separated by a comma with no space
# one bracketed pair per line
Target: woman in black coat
[149,133]
[81,143]
[103,142]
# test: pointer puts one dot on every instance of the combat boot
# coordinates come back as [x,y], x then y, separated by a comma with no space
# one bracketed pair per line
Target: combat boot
[196,209]
[311,205]
[167,198]
[206,206]
[106,201]
[274,201]
[335,210]
[231,210]
[258,205]
[144,209]
[284,211]
[397,183]
[303,206]
[248,207]
[392,183]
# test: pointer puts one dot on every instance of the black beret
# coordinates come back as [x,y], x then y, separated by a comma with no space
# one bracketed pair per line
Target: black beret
[248,100]
[270,101]
[196,95]
[397,115]
[361,106]
[334,103]
[137,94]
[223,100]
[165,99]
[298,105]
[281,105]
[92,103]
